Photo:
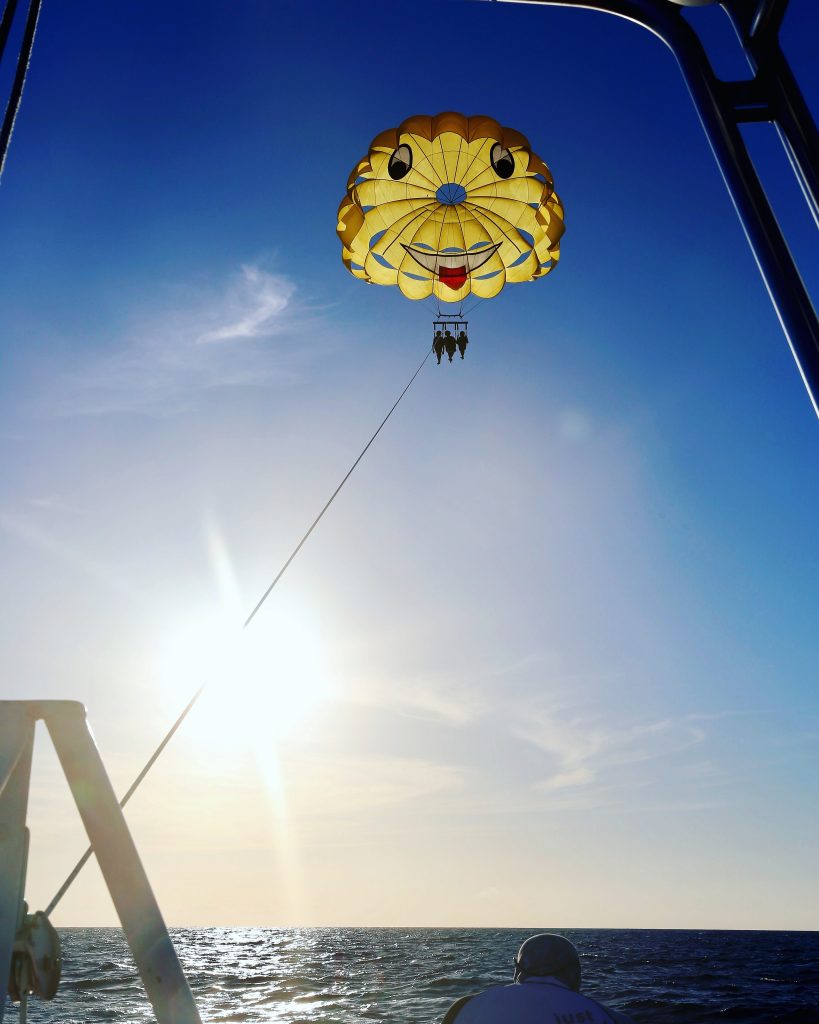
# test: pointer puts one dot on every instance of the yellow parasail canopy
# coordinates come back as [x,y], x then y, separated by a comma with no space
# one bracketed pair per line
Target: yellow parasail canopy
[448,206]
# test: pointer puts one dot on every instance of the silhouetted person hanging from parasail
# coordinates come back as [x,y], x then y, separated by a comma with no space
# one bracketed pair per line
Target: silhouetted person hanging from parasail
[438,346]
[450,344]
[462,342]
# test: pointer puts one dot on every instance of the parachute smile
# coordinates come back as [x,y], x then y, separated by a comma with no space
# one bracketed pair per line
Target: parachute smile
[451,268]
[450,206]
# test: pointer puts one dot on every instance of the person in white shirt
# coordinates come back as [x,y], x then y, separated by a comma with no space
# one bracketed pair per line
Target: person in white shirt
[546,990]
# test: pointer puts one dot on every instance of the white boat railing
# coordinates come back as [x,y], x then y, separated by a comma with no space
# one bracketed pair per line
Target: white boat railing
[22,935]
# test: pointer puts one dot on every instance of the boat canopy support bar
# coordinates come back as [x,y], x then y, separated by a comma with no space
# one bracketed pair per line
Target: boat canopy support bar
[772,95]
[138,911]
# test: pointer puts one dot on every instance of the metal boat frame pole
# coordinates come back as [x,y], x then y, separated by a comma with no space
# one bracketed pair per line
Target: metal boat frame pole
[131,892]
[16,745]
[771,95]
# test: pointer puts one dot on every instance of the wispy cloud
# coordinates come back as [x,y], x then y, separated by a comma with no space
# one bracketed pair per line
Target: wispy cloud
[251,307]
[341,786]
[646,765]
[23,529]
[439,698]
[582,775]
[586,752]
[246,332]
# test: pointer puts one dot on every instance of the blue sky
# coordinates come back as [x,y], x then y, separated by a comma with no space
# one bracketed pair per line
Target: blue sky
[563,618]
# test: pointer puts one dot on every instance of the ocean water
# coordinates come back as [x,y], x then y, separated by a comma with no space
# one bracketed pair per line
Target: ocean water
[342,975]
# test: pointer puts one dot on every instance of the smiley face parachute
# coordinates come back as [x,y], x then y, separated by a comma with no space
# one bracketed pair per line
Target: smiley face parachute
[450,206]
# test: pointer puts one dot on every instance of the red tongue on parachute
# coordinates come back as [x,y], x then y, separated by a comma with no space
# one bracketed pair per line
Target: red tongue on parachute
[452,277]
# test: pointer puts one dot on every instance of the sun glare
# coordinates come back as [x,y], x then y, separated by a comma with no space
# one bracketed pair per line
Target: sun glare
[262,683]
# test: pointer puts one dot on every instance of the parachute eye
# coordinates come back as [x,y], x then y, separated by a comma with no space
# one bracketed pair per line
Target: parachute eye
[503,163]
[400,163]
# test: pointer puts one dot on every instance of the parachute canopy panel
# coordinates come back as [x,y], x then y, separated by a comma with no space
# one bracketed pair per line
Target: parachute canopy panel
[450,206]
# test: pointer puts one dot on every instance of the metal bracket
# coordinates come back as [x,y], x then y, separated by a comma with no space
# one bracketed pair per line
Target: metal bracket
[138,911]
[747,101]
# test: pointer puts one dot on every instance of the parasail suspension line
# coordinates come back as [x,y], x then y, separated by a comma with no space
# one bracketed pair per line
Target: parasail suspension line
[332,497]
[147,767]
[150,762]
[469,309]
